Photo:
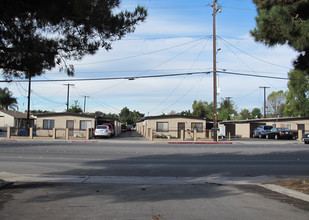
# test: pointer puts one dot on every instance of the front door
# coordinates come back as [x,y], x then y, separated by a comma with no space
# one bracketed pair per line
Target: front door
[70,126]
[181,126]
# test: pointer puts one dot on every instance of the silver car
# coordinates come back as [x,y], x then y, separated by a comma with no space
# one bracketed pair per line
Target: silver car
[102,131]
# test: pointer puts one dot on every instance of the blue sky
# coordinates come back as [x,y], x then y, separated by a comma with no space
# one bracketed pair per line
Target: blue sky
[175,38]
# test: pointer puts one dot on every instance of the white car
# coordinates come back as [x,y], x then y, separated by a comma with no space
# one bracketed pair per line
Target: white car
[102,131]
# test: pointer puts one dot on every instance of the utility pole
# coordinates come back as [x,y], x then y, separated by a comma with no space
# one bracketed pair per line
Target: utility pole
[29,93]
[264,87]
[215,123]
[85,97]
[68,94]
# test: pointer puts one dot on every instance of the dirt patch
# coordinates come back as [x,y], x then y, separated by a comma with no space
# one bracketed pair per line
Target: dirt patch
[300,185]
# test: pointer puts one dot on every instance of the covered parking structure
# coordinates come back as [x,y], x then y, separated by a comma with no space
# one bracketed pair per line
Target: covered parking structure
[244,128]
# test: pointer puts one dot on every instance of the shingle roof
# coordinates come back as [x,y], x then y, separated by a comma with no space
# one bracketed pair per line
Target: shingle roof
[15,114]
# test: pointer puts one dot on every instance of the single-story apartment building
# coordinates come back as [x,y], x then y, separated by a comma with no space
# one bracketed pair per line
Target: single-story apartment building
[172,125]
[244,128]
[77,124]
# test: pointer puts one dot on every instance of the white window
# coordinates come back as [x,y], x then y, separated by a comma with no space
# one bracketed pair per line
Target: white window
[162,127]
[85,124]
[48,124]
[198,126]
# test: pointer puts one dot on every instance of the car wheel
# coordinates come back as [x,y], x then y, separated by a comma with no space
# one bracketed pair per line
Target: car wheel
[306,142]
[276,137]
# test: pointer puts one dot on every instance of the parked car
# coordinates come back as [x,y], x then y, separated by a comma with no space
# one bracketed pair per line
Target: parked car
[111,127]
[305,138]
[262,130]
[280,133]
[102,131]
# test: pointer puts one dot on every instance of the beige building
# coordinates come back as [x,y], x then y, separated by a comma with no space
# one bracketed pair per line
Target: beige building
[77,124]
[244,128]
[170,126]
[56,124]
[10,118]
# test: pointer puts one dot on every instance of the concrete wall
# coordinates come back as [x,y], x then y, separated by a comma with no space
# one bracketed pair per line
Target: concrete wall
[243,130]
[6,120]
[142,127]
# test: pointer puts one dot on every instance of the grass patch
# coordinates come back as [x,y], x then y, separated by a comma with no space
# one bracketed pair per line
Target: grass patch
[300,185]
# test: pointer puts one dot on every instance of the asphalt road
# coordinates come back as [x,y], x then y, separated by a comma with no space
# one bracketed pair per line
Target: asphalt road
[150,180]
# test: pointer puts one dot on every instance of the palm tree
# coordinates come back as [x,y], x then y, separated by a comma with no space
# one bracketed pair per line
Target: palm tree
[7,102]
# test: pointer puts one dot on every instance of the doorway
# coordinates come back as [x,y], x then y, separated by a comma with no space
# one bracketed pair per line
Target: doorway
[70,126]
[181,126]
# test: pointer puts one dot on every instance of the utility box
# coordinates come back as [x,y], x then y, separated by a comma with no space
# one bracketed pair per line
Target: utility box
[222,132]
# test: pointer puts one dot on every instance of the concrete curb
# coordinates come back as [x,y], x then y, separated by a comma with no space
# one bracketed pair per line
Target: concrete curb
[286,191]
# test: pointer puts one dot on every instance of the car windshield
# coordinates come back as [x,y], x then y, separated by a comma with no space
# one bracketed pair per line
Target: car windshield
[102,127]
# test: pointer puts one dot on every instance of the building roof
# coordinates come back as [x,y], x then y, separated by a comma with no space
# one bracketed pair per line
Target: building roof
[261,120]
[16,114]
[172,116]
[54,114]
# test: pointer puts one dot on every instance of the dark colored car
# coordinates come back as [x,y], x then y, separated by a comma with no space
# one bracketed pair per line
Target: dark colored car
[262,130]
[305,138]
[280,133]
[123,128]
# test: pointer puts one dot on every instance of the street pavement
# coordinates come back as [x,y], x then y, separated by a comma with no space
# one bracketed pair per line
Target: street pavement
[133,178]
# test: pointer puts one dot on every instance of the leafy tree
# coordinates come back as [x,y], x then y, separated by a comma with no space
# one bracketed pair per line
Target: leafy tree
[256,113]
[173,112]
[245,114]
[40,111]
[276,103]
[202,109]
[297,100]
[7,101]
[284,22]
[37,35]
[129,117]
[75,108]
[186,113]
[226,109]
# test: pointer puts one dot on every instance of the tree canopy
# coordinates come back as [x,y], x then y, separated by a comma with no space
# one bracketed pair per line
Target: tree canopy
[75,108]
[284,22]
[38,35]
[226,109]
[297,100]
[202,109]
[130,117]
[276,103]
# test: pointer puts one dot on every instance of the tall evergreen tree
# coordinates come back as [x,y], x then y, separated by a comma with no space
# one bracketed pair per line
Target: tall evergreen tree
[38,35]
[284,22]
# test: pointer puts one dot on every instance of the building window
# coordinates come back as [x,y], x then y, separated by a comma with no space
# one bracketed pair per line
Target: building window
[198,126]
[162,127]
[85,124]
[48,124]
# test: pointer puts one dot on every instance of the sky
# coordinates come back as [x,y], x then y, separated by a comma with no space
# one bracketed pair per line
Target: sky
[176,38]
